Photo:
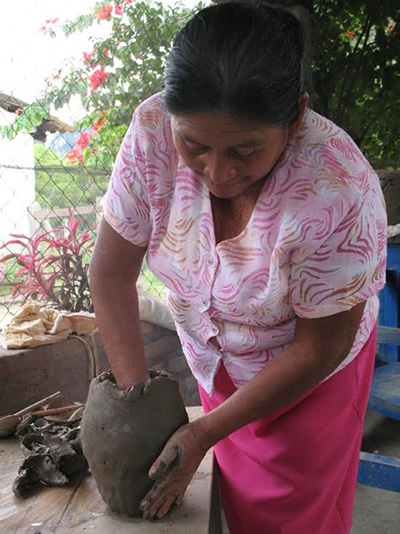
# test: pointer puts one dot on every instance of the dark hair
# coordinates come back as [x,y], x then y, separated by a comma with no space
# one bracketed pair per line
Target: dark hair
[243,58]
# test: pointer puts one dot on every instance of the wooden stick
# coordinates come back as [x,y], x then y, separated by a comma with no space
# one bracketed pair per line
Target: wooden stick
[38,403]
[61,409]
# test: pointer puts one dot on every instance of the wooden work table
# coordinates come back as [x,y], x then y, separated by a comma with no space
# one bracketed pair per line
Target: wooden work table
[78,508]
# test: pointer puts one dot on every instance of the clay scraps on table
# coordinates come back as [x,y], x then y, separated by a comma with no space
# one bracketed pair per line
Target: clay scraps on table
[53,453]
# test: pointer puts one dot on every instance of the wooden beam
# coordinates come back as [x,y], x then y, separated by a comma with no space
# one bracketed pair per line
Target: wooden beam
[52,124]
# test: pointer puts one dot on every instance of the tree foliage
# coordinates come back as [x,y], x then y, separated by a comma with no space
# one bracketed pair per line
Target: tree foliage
[356,74]
[117,72]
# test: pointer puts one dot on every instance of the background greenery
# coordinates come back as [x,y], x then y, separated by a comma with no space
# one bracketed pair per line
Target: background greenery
[355,54]
[62,186]
[356,74]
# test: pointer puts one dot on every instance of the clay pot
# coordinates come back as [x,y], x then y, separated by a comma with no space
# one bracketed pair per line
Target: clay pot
[123,432]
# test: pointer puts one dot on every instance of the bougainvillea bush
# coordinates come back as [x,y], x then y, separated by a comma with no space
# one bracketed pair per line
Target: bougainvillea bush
[53,266]
[114,73]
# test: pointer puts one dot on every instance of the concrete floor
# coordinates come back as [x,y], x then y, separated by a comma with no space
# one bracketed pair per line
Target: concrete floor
[377,511]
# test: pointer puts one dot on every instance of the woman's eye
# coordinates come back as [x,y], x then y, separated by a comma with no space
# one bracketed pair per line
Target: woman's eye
[196,151]
[244,154]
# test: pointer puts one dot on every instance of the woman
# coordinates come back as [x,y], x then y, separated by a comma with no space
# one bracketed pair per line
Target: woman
[267,225]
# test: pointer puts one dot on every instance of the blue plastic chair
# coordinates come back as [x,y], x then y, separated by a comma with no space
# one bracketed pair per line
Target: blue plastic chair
[376,470]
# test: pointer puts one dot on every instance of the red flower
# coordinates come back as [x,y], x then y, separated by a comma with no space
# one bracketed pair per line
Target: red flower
[83,140]
[390,28]
[104,12]
[118,9]
[98,77]
[87,56]
[351,34]
[74,156]
[44,28]
[99,123]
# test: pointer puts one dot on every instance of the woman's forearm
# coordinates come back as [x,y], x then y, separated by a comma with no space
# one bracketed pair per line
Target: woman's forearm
[285,379]
[320,345]
[117,312]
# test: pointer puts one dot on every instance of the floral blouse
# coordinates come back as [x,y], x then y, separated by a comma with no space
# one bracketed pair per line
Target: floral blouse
[315,244]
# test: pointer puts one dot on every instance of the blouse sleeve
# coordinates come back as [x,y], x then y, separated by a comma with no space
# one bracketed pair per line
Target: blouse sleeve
[349,266]
[126,204]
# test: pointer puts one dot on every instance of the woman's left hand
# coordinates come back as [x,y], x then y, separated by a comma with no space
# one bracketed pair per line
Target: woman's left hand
[173,470]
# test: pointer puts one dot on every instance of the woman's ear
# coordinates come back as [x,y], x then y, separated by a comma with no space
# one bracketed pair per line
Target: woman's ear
[295,127]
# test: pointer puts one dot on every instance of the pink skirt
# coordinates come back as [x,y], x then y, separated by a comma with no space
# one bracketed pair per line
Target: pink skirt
[295,472]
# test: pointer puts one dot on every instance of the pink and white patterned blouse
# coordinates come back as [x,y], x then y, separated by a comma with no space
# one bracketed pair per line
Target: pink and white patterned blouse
[314,246]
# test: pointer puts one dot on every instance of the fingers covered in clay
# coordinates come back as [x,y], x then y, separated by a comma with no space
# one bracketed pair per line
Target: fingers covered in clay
[172,472]
[123,433]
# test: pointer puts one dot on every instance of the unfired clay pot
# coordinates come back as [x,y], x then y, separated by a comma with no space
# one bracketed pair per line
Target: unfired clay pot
[123,432]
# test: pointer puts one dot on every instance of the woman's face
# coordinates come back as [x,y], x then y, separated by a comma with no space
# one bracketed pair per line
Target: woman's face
[231,155]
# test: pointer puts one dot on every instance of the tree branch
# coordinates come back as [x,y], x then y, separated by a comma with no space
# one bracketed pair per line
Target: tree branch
[344,94]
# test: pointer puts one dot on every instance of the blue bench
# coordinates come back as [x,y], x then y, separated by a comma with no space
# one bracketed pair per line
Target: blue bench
[375,470]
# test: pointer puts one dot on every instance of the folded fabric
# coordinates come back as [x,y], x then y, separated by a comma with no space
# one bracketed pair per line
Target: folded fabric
[34,325]
[153,310]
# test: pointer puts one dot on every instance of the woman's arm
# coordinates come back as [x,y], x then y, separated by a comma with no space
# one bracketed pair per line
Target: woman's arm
[114,270]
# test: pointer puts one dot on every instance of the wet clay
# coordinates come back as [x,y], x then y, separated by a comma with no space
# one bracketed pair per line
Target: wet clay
[123,432]
[53,455]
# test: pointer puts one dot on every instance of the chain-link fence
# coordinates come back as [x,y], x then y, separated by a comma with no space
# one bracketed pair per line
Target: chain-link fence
[54,173]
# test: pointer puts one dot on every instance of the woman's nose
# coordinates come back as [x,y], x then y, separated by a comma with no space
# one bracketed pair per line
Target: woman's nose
[219,171]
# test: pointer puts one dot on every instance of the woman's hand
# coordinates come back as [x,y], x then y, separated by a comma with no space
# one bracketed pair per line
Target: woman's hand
[174,469]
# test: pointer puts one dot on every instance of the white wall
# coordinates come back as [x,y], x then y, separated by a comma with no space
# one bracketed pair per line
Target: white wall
[17,185]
